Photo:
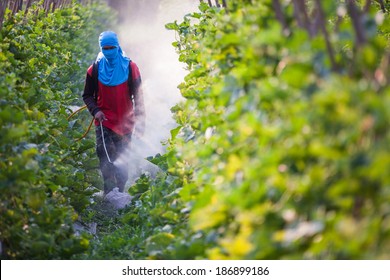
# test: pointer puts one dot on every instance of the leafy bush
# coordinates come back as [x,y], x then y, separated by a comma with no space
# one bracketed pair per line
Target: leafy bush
[290,155]
[45,178]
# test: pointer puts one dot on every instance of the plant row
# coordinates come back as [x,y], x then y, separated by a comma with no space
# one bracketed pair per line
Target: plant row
[282,146]
[46,176]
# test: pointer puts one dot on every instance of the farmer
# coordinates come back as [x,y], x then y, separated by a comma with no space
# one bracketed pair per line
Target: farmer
[115,100]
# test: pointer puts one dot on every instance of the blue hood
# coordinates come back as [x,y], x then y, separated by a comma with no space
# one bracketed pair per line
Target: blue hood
[113,64]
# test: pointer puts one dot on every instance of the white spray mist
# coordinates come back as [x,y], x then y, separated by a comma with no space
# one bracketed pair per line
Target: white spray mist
[145,40]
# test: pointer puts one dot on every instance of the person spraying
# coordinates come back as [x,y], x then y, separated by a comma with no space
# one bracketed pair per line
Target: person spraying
[113,95]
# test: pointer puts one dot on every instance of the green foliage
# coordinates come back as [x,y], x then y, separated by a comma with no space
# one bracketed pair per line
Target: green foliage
[45,178]
[288,159]
[278,154]
[153,226]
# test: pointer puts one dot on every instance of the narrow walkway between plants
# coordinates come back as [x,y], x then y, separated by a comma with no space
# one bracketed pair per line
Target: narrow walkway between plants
[148,43]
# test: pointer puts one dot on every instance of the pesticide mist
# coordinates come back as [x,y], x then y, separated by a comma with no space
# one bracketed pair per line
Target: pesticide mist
[145,40]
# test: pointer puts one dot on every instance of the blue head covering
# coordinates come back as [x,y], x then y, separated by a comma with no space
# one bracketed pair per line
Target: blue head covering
[113,63]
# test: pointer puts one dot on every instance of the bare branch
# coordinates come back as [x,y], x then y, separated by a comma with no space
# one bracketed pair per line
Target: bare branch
[300,13]
[382,4]
[17,6]
[3,6]
[356,18]
[28,5]
[321,19]
[280,16]
[367,6]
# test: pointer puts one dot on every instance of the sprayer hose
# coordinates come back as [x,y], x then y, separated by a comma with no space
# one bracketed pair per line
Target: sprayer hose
[90,124]
[75,112]
[86,132]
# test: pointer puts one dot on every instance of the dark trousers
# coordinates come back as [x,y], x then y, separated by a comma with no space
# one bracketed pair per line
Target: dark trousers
[114,174]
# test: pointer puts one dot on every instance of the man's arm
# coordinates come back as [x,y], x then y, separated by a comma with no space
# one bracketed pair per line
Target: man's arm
[90,98]
[89,94]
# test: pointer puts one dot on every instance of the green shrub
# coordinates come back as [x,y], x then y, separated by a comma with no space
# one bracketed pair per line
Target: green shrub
[281,150]
[290,157]
[44,178]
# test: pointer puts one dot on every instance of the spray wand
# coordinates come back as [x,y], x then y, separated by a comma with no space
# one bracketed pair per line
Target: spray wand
[104,144]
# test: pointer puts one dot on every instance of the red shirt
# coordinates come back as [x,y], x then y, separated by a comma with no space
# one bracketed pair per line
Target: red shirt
[116,104]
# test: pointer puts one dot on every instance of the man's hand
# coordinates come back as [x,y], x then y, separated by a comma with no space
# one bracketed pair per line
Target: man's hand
[100,116]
